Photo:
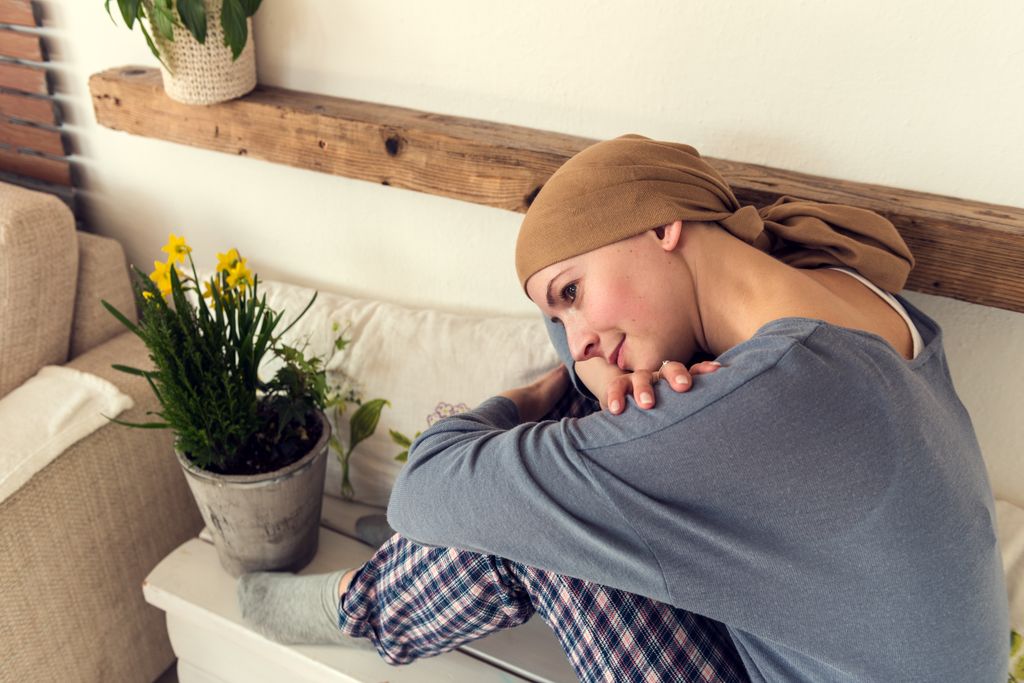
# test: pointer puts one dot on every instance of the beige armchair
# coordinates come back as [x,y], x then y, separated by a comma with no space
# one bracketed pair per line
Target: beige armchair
[77,539]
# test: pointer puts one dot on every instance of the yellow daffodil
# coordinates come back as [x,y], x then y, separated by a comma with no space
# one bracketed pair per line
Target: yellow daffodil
[161,276]
[239,275]
[225,262]
[175,249]
[208,290]
[147,295]
[161,272]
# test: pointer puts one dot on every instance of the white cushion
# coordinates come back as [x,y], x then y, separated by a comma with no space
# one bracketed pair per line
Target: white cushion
[426,363]
[46,415]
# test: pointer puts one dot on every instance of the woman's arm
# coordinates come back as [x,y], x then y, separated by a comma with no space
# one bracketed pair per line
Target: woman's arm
[594,497]
[482,482]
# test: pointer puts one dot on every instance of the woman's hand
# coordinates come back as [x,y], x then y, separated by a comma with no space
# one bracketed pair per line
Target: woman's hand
[538,398]
[610,385]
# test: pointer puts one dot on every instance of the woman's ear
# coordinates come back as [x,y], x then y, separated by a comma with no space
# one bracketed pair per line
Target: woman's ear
[670,235]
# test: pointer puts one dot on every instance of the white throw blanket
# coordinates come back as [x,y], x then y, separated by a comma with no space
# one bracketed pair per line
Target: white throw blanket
[46,415]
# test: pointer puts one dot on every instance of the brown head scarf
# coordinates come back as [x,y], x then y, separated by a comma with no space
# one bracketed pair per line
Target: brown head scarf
[620,188]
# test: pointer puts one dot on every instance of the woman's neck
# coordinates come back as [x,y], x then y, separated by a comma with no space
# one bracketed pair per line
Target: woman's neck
[739,289]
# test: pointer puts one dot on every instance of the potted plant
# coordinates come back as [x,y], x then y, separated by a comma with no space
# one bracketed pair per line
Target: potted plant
[253,451]
[203,45]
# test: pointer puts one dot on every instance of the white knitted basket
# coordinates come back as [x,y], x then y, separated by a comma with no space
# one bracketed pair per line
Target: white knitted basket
[205,73]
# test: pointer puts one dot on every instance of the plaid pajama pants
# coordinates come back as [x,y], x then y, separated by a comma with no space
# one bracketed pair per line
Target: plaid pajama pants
[413,601]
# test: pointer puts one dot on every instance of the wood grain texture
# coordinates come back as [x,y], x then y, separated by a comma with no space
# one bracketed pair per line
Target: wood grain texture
[21,136]
[19,12]
[56,171]
[28,108]
[966,250]
[21,45]
[30,79]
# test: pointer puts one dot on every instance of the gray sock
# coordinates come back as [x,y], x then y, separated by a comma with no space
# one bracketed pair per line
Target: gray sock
[295,610]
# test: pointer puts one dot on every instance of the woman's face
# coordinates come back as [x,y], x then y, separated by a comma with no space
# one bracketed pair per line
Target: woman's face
[626,302]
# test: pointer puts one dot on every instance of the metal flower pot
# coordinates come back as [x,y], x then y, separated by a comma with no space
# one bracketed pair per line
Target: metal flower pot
[264,522]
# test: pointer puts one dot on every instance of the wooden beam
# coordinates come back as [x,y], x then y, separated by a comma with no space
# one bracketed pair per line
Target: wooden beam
[966,250]
[475,161]
[18,12]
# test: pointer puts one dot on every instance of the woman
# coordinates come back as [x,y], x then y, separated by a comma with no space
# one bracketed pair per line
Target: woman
[815,510]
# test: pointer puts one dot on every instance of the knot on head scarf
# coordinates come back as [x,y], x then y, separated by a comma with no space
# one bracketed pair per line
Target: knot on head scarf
[620,188]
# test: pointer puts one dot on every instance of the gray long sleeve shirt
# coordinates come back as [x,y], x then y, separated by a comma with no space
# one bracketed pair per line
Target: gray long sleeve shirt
[820,495]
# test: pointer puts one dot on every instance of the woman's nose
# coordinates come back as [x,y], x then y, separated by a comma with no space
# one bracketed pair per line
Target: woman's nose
[583,343]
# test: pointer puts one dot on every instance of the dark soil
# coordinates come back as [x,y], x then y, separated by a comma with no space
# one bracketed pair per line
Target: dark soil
[262,455]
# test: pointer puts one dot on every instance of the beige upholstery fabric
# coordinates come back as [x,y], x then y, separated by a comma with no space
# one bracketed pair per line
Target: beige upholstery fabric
[38,275]
[102,274]
[78,539]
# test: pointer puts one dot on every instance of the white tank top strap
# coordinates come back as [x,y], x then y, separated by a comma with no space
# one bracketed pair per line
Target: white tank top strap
[889,299]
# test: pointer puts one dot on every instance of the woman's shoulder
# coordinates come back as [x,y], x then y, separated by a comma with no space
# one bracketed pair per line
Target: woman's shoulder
[846,299]
[790,364]
[743,374]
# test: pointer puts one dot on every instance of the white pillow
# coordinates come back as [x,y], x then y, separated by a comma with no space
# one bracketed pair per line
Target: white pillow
[47,415]
[428,364]
[1010,527]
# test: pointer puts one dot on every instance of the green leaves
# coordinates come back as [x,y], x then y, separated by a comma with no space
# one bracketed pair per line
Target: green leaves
[120,316]
[236,30]
[340,342]
[193,16]
[363,423]
[1016,657]
[163,17]
[130,11]
[400,438]
[405,442]
[250,6]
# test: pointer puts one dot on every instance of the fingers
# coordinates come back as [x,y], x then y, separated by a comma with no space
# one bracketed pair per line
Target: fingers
[615,397]
[676,374]
[704,367]
[641,384]
[643,388]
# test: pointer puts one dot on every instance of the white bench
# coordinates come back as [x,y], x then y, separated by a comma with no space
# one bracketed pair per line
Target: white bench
[213,644]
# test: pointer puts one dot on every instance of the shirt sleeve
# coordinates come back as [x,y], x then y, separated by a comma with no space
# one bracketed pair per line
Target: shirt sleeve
[609,498]
[481,482]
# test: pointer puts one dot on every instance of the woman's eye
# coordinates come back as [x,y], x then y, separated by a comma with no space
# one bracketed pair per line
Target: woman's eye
[569,293]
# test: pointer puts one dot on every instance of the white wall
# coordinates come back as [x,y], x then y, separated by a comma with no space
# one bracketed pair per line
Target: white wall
[915,94]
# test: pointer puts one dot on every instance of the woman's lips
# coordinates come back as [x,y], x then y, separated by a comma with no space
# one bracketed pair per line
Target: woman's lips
[617,358]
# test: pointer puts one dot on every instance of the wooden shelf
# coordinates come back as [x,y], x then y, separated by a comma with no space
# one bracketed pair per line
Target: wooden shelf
[964,249]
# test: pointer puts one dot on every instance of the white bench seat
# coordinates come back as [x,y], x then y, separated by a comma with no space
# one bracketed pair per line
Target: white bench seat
[213,644]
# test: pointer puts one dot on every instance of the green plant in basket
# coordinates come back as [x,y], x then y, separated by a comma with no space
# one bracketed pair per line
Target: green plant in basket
[207,348]
[190,14]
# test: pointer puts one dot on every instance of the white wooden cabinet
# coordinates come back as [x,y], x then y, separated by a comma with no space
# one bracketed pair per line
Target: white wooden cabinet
[214,645]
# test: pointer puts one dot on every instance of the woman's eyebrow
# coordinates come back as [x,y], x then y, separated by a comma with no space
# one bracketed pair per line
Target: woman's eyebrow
[550,294]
